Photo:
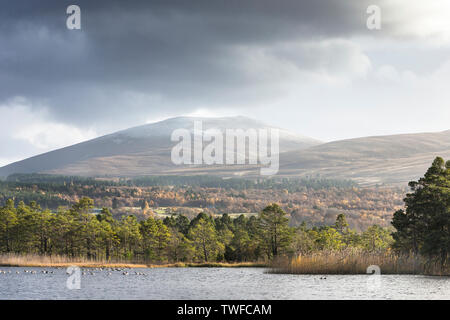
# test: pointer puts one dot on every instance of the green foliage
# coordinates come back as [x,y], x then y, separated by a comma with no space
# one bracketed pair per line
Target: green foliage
[329,238]
[376,238]
[180,248]
[155,239]
[339,237]
[341,224]
[205,240]
[77,232]
[291,184]
[424,226]
[275,233]
[8,223]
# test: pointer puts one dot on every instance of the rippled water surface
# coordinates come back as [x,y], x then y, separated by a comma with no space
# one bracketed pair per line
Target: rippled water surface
[215,283]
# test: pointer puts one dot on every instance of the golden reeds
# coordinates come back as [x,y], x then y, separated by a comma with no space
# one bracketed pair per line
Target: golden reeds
[32,260]
[356,262]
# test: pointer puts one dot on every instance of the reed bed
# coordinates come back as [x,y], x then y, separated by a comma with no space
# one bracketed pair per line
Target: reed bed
[357,262]
[31,260]
[228,265]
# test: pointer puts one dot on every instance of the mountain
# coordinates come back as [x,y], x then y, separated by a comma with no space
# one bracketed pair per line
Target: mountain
[146,150]
[138,151]
[393,159]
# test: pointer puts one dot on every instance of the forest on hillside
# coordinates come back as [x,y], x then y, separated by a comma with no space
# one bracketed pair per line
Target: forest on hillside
[419,231]
[315,201]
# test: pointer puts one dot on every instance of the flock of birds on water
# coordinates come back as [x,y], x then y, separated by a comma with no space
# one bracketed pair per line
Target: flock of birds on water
[91,271]
[86,271]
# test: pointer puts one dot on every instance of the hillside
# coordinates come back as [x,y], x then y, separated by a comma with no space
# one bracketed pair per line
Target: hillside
[394,159]
[143,150]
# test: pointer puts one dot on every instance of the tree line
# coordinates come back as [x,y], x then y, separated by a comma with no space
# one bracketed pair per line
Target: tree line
[77,232]
[205,181]
[422,228]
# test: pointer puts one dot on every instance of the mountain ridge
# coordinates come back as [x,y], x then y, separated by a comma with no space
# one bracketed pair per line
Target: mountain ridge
[150,140]
[145,150]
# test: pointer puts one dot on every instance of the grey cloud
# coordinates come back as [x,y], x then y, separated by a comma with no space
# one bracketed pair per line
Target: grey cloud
[135,57]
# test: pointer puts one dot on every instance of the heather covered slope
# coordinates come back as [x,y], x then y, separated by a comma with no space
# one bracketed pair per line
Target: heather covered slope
[394,159]
[140,150]
[145,150]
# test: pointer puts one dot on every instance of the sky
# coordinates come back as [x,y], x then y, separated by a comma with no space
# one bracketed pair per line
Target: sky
[312,67]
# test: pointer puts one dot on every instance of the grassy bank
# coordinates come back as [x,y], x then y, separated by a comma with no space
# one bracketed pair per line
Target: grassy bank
[357,262]
[13,260]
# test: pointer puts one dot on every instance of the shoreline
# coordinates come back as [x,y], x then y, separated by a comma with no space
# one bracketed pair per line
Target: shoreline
[34,264]
[125,265]
[319,264]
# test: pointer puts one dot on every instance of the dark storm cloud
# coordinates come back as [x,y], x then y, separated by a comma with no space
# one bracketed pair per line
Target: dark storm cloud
[144,57]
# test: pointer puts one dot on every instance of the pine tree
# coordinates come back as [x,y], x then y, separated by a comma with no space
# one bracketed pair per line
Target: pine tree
[424,226]
[274,230]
